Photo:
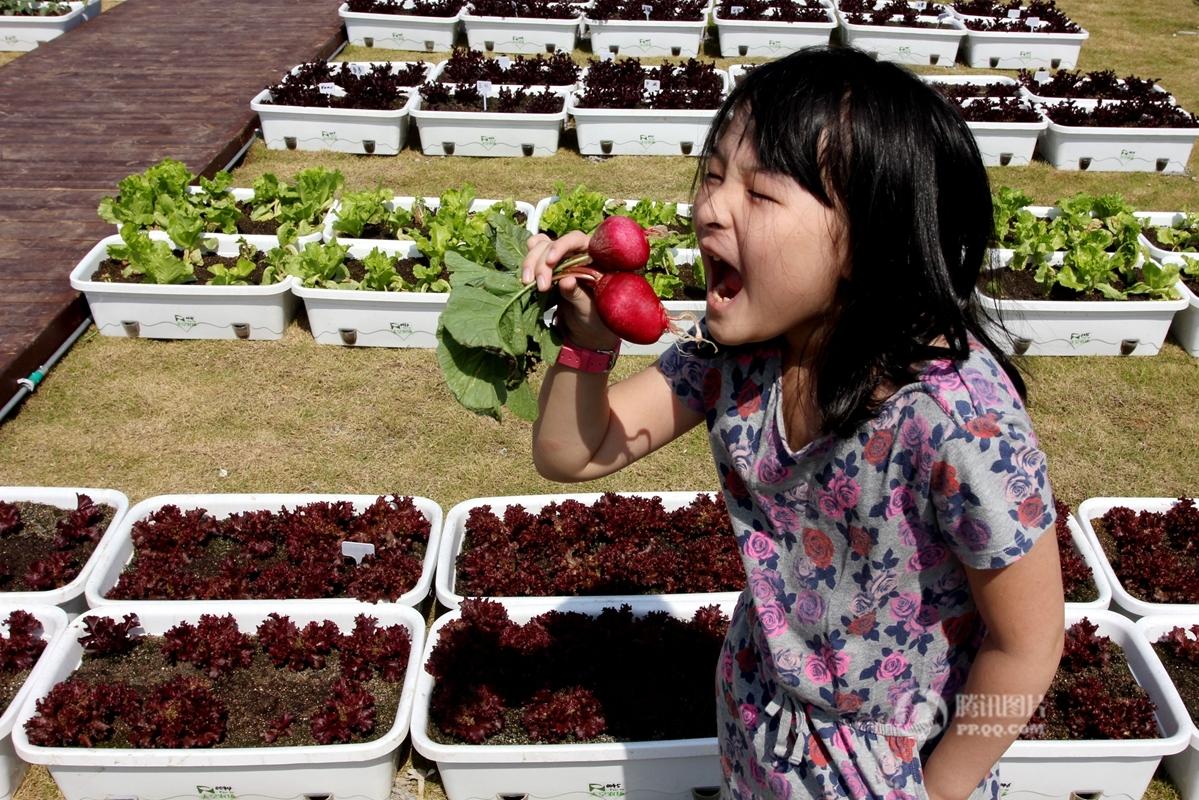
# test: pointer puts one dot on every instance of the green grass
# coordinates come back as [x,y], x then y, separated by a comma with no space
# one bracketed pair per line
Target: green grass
[151,417]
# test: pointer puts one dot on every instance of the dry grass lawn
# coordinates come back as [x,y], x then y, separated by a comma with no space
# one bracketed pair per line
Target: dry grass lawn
[152,417]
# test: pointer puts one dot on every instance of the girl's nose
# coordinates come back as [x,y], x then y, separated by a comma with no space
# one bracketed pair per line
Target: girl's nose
[711,210]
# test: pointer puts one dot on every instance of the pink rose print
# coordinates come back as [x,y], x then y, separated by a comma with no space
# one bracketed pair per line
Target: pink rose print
[779,785]
[984,427]
[809,607]
[888,763]
[764,583]
[841,495]
[973,533]
[773,619]
[926,619]
[942,375]
[1018,487]
[861,603]
[905,606]
[757,772]
[817,671]
[842,741]
[899,794]
[1031,511]
[838,661]
[981,388]
[749,716]
[759,546]
[913,433]
[771,471]
[726,666]
[927,557]
[789,663]
[892,666]
[883,584]
[1029,460]
[784,516]
[902,499]
[855,789]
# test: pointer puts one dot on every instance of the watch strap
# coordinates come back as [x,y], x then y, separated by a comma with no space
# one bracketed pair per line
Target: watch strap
[584,359]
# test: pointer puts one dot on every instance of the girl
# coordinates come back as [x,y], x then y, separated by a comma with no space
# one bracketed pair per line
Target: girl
[903,612]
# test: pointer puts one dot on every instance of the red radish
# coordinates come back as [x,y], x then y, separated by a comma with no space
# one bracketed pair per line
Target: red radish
[628,306]
[619,244]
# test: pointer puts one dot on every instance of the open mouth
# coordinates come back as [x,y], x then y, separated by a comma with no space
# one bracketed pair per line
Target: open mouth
[725,280]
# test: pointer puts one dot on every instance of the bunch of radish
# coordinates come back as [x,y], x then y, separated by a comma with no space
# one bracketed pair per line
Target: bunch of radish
[624,299]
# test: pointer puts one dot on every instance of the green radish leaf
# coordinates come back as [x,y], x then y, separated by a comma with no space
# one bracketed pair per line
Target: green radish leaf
[521,401]
[511,241]
[475,377]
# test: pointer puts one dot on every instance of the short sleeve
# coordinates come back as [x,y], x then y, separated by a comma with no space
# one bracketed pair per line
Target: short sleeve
[990,488]
[690,374]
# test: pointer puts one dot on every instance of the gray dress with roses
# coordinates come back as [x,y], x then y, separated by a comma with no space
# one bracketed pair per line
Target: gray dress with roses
[857,627]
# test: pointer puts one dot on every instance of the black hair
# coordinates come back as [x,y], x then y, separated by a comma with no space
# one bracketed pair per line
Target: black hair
[872,141]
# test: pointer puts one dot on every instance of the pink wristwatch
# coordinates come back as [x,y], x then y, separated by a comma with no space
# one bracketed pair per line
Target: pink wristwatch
[585,359]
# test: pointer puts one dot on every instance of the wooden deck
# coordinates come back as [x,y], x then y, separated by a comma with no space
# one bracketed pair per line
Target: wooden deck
[146,80]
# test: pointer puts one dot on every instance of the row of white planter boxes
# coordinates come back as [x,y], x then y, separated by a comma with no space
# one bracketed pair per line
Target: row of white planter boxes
[346,317]
[997,50]
[115,550]
[679,768]
[24,33]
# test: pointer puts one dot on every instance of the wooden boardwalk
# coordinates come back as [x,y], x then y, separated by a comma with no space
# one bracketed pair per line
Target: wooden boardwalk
[143,81]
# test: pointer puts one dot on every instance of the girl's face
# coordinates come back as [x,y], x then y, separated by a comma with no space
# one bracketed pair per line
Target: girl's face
[772,253]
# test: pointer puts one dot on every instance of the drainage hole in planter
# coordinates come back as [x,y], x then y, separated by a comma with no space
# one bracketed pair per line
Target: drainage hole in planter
[1086,795]
[526,149]
[1005,159]
[503,796]
[933,58]
[241,330]
[705,792]
[550,47]
[429,45]
[1084,162]
[1055,63]
[1128,346]
[676,51]
[319,796]
[369,41]
[289,142]
[368,145]
[994,62]
[1161,164]
[488,45]
[743,50]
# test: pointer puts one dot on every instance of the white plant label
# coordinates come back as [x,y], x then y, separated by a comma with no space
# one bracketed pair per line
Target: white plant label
[357,68]
[647,10]
[920,5]
[607,55]
[484,88]
[504,62]
[1013,13]
[1041,75]
[653,86]
[735,10]
[357,550]
[331,88]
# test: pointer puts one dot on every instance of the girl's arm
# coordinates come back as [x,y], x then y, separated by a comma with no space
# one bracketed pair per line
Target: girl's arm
[1023,609]
[586,429]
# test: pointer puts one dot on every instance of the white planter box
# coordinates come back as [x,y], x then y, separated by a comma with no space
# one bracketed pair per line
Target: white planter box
[12,769]
[1076,147]
[695,308]
[1082,327]
[1001,144]
[641,132]
[737,73]
[525,35]
[183,311]
[925,46]
[26,33]
[646,37]
[365,770]
[360,318]
[455,532]
[664,770]
[1095,508]
[399,31]
[1094,562]
[765,38]
[1186,322]
[91,9]
[1061,770]
[70,596]
[341,130]
[117,550]
[261,241]
[485,133]
[1183,767]
[1001,50]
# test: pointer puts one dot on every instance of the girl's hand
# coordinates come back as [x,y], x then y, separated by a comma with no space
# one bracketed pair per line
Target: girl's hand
[576,312]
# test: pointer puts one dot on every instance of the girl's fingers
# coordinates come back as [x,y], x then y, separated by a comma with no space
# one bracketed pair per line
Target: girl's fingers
[545,254]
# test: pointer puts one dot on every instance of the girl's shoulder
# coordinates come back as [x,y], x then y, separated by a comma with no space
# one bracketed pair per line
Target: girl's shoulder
[974,393]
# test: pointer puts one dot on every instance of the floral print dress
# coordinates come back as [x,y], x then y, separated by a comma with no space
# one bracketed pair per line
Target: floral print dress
[857,626]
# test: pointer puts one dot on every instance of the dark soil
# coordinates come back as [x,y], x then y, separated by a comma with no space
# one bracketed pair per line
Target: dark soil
[1191,283]
[403,266]
[378,231]
[1185,677]
[255,696]
[10,684]
[109,270]
[1116,676]
[265,227]
[35,541]
[693,288]
[1010,284]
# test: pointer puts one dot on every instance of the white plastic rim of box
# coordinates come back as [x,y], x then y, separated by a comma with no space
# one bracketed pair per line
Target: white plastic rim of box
[1183,767]
[637,770]
[1061,770]
[365,770]
[1095,507]
[116,553]
[454,532]
[69,597]
[183,311]
[53,621]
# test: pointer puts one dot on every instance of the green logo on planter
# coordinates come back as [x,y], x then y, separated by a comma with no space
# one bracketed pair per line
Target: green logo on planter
[10,39]
[645,42]
[1026,54]
[605,789]
[487,141]
[329,136]
[401,329]
[905,50]
[647,139]
[1128,155]
[774,44]
[216,793]
[1079,339]
[186,323]
[518,40]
